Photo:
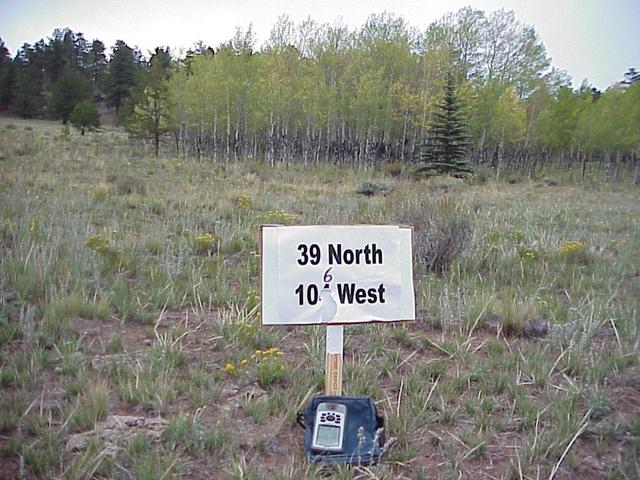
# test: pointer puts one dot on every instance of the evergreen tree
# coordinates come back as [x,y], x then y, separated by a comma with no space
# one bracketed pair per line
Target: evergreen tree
[97,67]
[149,117]
[7,77]
[28,98]
[123,70]
[85,116]
[444,151]
[59,54]
[70,89]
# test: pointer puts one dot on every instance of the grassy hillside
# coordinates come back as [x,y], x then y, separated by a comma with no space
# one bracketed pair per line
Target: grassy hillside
[130,335]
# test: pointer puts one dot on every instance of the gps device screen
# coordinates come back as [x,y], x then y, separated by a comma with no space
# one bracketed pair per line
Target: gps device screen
[328,435]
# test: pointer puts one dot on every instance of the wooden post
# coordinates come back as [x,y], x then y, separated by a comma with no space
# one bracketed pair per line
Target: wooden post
[333,361]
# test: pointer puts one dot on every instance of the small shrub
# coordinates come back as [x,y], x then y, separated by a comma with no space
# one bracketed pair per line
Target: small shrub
[447,243]
[441,234]
[85,116]
[371,188]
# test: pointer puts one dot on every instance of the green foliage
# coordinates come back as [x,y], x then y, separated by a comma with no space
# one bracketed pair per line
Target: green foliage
[7,78]
[28,98]
[558,122]
[204,243]
[150,115]
[69,89]
[186,432]
[448,141]
[575,253]
[109,300]
[44,456]
[123,71]
[97,66]
[85,116]
[91,407]
[269,366]
[319,93]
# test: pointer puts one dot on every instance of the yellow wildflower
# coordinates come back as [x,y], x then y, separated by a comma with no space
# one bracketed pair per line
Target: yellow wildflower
[572,248]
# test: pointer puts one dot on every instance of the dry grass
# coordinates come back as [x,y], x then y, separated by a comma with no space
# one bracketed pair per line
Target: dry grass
[128,285]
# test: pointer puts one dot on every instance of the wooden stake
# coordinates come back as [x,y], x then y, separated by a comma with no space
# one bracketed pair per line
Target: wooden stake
[333,361]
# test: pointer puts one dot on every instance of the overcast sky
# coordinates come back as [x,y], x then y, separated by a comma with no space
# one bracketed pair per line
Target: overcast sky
[594,39]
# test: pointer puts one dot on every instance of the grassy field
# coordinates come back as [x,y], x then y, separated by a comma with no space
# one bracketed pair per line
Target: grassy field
[130,335]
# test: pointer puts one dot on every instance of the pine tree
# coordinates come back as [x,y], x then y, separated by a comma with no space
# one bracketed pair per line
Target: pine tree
[85,116]
[97,67]
[28,96]
[70,89]
[7,77]
[444,151]
[150,115]
[123,72]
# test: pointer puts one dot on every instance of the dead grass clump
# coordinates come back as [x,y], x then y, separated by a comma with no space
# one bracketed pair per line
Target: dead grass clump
[447,243]
[441,234]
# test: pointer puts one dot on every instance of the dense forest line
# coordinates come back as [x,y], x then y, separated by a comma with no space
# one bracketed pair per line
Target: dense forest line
[324,93]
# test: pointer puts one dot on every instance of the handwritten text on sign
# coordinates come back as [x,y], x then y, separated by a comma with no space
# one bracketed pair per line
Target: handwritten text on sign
[336,274]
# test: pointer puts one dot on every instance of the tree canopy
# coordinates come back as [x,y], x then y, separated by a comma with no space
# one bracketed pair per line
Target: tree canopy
[323,92]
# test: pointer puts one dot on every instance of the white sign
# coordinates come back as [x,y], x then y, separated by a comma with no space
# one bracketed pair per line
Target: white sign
[336,274]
